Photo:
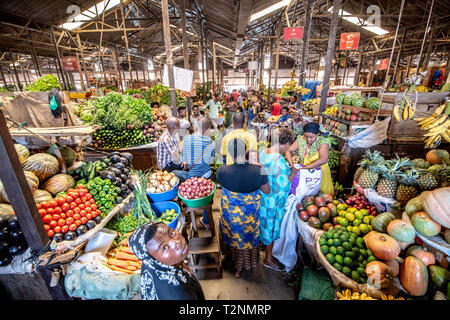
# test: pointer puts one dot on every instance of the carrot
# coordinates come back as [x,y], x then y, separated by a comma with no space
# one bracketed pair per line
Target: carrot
[121,269]
[118,263]
[126,249]
[134,263]
[127,235]
[124,242]
[126,256]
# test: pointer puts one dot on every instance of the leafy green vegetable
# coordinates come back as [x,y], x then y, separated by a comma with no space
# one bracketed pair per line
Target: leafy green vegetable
[46,83]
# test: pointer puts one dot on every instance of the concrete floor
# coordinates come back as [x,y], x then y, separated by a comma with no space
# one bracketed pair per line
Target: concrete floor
[257,284]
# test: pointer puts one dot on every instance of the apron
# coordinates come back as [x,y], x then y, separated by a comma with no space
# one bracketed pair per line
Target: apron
[326,185]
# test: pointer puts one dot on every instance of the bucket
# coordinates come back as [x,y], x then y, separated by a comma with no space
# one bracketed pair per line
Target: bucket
[197,203]
[164,196]
[101,242]
[159,207]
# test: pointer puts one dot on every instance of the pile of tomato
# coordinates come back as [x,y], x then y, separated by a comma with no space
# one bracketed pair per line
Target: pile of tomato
[69,211]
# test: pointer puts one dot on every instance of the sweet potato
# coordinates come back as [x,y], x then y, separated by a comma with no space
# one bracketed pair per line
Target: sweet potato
[120,269]
[126,249]
[134,263]
[118,263]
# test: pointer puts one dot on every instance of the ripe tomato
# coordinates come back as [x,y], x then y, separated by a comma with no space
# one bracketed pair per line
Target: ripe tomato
[73,205]
[42,212]
[78,201]
[81,206]
[46,227]
[78,222]
[84,199]
[56,217]
[57,229]
[69,221]
[65,207]
[52,203]
[82,192]
[69,213]
[73,227]
[57,210]
[94,213]
[84,220]
[50,210]
[88,209]
[44,204]
[70,190]
[83,213]
[94,206]
[60,201]
[63,215]
[50,233]
[61,222]
[47,218]
[76,210]
[64,229]
[89,216]
[69,199]
[88,196]
[38,206]
[98,212]
[74,195]
[81,186]
[76,216]
[53,224]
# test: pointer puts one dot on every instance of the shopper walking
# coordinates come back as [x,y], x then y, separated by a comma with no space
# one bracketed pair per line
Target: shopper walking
[164,273]
[240,133]
[214,105]
[312,152]
[272,204]
[275,107]
[195,117]
[239,222]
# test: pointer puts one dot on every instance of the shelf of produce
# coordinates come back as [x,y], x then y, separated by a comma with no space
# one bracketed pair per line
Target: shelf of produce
[80,241]
[54,131]
[381,112]
[356,89]
[349,123]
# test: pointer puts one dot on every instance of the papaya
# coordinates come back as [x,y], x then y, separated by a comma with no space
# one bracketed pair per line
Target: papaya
[439,276]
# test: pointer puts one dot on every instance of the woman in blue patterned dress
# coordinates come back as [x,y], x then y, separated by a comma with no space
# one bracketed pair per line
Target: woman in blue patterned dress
[272,204]
[239,224]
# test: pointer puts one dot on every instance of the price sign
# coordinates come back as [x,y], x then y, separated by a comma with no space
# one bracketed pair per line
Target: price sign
[384,63]
[349,41]
[293,33]
[69,63]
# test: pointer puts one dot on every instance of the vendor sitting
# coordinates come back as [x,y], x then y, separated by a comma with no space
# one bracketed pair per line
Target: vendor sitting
[165,274]
[285,120]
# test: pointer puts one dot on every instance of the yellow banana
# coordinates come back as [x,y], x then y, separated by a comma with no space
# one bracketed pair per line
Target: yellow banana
[445,135]
[411,112]
[440,127]
[396,112]
[419,119]
[405,113]
[435,123]
[427,121]
[439,110]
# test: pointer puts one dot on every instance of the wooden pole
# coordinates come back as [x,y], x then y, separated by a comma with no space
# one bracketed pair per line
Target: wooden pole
[58,58]
[270,73]
[18,191]
[169,55]
[15,71]
[277,56]
[261,64]
[3,76]
[447,69]
[184,34]
[329,57]
[82,58]
[424,37]
[80,72]
[345,68]
[206,59]
[203,61]
[33,55]
[430,46]
[358,69]
[305,40]
[214,68]
[318,67]
[126,38]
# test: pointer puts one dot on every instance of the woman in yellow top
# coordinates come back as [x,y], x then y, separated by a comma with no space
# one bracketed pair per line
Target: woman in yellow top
[312,152]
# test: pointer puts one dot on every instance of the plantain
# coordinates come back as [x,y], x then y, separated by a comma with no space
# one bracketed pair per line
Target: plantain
[396,113]
[427,121]
[439,110]
[405,113]
[411,112]
[435,123]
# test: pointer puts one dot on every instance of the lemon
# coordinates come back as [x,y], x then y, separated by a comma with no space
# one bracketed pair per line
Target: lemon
[359,215]
[335,202]
[364,212]
[330,242]
[344,222]
[347,271]
[345,205]
[364,228]
[356,230]
[333,250]
[350,216]
[370,227]
[339,259]
[324,249]
[342,213]
[357,222]
[322,240]
[349,228]
[367,219]
[340,207]
[352,210]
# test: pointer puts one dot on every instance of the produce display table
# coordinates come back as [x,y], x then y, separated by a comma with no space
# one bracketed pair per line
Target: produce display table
[54,131]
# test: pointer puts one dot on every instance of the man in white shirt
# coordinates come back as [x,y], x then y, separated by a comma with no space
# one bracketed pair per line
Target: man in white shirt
[213,105]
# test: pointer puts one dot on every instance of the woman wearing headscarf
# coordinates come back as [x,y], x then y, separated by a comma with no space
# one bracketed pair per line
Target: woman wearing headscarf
[311,151]
[164,273]
[272,204]
[239,222]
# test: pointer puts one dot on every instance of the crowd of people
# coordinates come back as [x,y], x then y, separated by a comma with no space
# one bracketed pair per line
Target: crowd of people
[255,184]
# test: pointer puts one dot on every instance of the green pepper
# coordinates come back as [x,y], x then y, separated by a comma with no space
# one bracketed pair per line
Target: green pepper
[102,194]
[103,200]
[93,192]
[107,182]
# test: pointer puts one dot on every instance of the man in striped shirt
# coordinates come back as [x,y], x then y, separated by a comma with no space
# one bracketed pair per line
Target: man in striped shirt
[167,150]
[197,152]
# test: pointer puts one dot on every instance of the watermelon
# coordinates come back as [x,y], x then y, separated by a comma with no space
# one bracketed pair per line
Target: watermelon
[358,102]
[373,103]
[340,98]
[348,100]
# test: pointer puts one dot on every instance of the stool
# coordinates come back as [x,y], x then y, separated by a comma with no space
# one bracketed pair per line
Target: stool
[203,243]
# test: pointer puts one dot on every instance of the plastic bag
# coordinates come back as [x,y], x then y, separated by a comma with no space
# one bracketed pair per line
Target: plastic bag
[284,248]
[373,135]
[382,204]
[306,183]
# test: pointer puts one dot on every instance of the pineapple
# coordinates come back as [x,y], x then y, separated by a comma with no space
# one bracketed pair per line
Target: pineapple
[408,186]
[387,186]
[372,162]
[427,180]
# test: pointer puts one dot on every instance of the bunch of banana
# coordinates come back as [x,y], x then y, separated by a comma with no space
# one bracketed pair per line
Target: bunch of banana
[302,90]
[404,110]
[390,297]
[333,159]
[348,295]
[437,127]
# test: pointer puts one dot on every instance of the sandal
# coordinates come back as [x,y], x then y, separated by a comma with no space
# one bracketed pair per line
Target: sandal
[279,269]
[205,226]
